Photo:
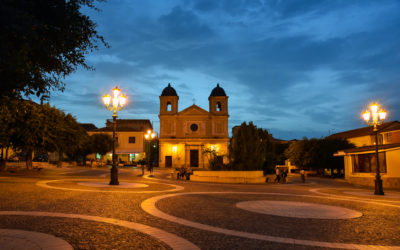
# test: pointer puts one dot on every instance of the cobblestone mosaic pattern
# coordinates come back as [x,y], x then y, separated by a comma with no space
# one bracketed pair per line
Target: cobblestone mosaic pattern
[213,206]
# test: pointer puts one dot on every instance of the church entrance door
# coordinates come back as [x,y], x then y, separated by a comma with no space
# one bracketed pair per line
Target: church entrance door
[168,161]
[194,158]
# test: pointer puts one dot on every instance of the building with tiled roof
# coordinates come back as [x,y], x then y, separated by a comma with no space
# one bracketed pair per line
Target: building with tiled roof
[130,138]
[360,162]
[88,126]
[366,135]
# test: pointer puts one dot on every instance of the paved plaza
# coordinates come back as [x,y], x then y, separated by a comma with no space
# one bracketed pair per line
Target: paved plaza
[74,208]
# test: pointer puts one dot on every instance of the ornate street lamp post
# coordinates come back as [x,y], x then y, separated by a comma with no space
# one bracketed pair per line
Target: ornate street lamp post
[115,104]
[375,116]
[148,137]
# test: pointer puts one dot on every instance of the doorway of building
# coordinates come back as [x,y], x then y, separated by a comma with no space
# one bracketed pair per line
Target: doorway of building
[168,161]
[194,158]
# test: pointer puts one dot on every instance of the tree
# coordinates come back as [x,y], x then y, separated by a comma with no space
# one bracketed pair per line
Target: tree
[251,148]
[102,143]
[317,154]
[211,155]
[328,147]
[69,135]
[30,132]
[84,148]
[38,128]
[7,118]
[280,152]
[42,41]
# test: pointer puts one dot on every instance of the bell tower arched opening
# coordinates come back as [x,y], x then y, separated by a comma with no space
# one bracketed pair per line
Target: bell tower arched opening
[218,108]
[169,106]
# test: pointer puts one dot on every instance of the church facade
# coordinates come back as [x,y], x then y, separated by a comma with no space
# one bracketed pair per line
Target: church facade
[185,135]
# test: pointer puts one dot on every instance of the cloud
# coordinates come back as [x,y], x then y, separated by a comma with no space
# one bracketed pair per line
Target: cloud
[297,68]
[181,24]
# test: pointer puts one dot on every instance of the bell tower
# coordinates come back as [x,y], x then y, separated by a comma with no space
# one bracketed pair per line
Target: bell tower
[218,101]
[169,101]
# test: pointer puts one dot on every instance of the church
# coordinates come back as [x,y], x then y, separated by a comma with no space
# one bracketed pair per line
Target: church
[185,135]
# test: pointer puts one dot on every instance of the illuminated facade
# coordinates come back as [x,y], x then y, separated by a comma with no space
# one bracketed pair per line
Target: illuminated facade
[360,162]
[130,138]
[185,135]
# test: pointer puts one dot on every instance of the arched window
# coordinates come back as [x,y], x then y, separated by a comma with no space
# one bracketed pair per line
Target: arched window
[169,106]
[219,107]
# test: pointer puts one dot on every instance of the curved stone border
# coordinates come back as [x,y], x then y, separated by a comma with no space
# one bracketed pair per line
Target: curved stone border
[352,198]
[371,194]
[149,206]
[297,209]
[45,185]
[106,185]
[171,240]
[20,239]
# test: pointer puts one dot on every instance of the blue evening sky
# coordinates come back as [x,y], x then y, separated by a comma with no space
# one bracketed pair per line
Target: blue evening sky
[296,68]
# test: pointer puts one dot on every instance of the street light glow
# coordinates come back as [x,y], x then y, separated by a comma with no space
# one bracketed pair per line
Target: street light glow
[118,101]
[116,91]
[374,108]
[366,115]
[149,135]
[122,100]
[382,114]
[107,99]
[378,116]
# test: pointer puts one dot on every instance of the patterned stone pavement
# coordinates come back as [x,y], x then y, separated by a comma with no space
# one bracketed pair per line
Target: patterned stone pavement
[76,208]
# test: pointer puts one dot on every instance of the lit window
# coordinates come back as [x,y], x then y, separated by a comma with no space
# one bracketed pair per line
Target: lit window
[389,137]
[380,139]
[366,163]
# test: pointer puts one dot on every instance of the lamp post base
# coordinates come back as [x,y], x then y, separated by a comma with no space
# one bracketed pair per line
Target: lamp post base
[114,176]
[378,187]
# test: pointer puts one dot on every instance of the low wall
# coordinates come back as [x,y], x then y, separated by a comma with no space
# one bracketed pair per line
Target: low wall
[22,164]
[387,182]
[228,176]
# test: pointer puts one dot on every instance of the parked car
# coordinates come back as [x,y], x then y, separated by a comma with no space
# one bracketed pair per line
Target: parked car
[41,158]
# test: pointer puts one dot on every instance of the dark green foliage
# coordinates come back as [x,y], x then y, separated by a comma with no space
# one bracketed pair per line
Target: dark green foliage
[101,143]
[96,143]
[317,154]
[251,148]
[6,120]
[38,128]
[42,41]
[280,152]
[211,155]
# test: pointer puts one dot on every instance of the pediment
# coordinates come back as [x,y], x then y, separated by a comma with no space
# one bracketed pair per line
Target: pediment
[193,110]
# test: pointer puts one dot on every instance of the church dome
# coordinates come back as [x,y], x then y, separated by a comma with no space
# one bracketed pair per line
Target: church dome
[218,91]
[169,91]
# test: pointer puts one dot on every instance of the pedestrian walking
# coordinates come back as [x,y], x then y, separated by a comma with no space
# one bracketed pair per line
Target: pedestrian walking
[284,175]
[182,173]
[303,175]
[278,175]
